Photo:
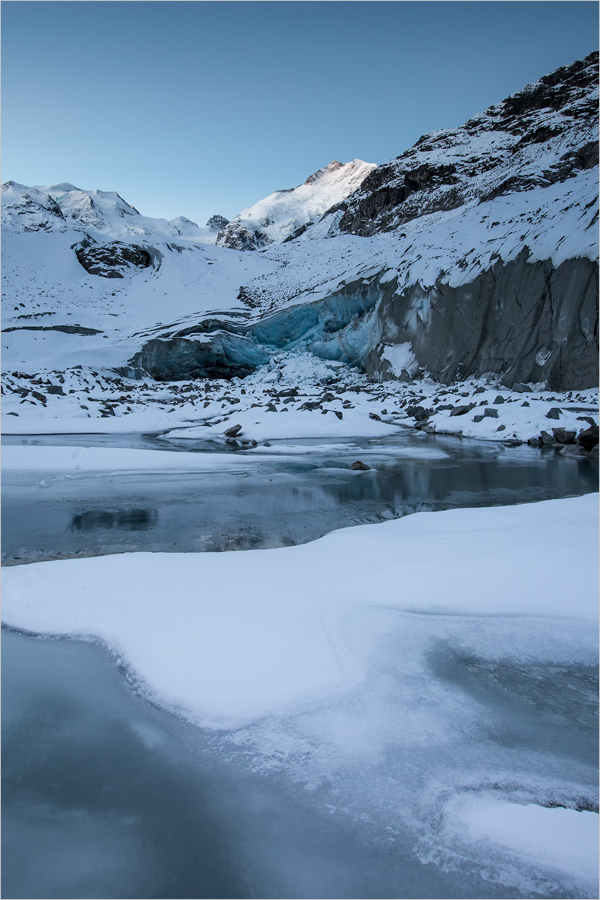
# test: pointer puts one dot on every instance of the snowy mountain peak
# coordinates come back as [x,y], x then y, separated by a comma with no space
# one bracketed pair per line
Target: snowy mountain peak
[280,215]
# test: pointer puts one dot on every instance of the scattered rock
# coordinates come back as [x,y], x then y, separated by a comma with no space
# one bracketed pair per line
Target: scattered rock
[233,431]
[375,416]
[563,436]
[339,414]
[478,418]
[547,439]
[572,450]
[588,439]
[501,428]
[522,388]
[359,466]
[479,390]
[310,405]
[499,399]
[461,410]
[554,413]
[490,413]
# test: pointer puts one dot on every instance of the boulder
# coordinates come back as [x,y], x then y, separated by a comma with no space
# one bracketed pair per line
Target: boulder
[554,413]
[588,439]
[490,413]
[359,466]
[233,431]
[563,436]
[522,388]
[462,410]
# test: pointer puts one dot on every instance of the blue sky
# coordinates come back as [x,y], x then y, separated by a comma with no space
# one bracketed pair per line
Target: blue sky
[195,108]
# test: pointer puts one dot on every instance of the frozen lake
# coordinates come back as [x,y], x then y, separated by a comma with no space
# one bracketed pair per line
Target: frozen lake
[380,791]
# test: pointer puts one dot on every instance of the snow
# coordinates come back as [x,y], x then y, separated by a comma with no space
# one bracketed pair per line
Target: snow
[229,638]
[281,213]
[105,459]
[562,839]
[261,425]
[401,357]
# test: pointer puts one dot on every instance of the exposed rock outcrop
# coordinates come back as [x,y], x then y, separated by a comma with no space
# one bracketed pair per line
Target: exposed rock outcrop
[525,321]
[111,260]
[238,237]
[217,223]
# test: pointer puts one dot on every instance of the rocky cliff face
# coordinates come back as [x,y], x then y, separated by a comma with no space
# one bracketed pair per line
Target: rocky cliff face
[526,321]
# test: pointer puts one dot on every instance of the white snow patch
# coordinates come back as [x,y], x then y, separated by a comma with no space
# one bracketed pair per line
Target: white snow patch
[400,356]
[562,839]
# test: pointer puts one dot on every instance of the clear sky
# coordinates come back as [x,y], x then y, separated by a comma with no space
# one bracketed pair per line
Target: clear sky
[194,108]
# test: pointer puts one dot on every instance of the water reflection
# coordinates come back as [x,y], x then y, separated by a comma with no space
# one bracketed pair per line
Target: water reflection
[279,501]
[124,519]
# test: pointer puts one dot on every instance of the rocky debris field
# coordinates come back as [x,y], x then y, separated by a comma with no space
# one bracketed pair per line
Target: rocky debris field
[298,396]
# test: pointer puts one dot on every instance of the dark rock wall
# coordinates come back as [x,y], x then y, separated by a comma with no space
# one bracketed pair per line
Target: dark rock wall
[525,321]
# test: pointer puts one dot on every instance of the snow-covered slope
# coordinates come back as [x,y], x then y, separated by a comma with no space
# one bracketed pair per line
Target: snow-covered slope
[544,134]
[290,212]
